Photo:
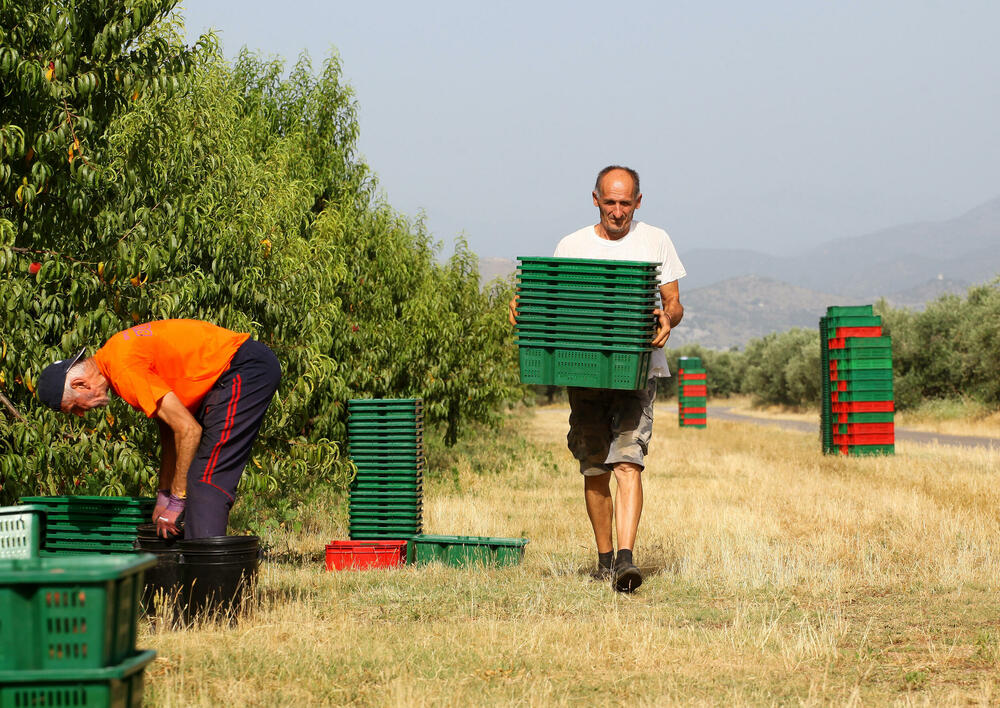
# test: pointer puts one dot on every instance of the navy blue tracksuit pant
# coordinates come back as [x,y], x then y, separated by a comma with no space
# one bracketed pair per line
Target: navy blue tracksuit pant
[230,416]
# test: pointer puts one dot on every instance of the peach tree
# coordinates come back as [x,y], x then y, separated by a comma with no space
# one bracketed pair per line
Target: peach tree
[175,184]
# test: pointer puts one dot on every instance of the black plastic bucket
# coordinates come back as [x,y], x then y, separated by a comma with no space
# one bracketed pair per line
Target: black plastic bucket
[217,573]
[165,577]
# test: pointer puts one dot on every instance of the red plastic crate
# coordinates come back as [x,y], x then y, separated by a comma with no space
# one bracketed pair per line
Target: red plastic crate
[876,439]
[694,390]
[842,332]
[692,409]
[868,428]
[864,407]
[693,377]
[357,555]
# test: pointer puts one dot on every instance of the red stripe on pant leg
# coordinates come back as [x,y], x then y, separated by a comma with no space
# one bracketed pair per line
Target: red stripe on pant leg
[226,430]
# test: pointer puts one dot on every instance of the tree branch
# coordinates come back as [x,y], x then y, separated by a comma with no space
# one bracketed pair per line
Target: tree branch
[11,408]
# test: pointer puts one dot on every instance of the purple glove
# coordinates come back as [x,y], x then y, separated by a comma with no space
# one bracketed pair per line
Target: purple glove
[166,521]
[162,497]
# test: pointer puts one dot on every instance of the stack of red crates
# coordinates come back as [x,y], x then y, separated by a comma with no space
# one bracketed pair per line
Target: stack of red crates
[692,393]
[858,397]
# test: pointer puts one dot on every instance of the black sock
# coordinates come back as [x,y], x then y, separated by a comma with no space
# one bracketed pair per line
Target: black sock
[605,560]
[624,555]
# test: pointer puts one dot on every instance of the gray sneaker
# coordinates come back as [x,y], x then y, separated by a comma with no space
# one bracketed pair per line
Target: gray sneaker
[626,577]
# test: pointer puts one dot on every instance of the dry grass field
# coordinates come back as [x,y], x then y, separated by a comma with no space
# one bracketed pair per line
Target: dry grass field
[774,575]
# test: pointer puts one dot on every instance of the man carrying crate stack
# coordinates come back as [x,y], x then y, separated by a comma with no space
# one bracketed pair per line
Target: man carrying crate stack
[207,388]
[610,429]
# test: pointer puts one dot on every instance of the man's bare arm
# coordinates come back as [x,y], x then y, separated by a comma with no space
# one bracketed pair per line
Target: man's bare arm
[670,314]
[186,433]
[168,454]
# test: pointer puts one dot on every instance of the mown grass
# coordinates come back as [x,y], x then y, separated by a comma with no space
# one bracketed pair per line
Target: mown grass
[774,575]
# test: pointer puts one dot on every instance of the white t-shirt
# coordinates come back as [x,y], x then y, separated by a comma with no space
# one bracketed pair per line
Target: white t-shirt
[642,243]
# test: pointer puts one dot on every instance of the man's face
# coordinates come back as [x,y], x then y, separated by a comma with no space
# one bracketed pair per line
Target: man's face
[91,392]
[616,203]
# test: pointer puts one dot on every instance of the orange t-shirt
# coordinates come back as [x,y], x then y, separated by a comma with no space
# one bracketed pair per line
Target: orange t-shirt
[146,362]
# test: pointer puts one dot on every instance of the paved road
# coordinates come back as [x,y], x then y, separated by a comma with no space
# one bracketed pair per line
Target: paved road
[919,436]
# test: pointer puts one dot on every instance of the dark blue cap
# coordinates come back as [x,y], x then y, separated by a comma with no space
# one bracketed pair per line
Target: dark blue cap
[52,381]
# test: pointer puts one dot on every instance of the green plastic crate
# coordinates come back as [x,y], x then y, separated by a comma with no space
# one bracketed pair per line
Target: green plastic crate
[393,486]
[849,364]
[380,403]
[839,355]
[847,397]
[69,612]
[618,368]
[118,686]
[561,262]
[584,316]
[835,323]
[532,304]
[869,417]
[864,375]
[538,339]
[586,291]
[109,507]
[466,550]
[863,450]
[850,343]
[21,531]
[885,386]
[389,472]
[849,311]
[638,328]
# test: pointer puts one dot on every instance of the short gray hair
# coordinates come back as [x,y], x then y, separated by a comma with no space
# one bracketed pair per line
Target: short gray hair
[611,168]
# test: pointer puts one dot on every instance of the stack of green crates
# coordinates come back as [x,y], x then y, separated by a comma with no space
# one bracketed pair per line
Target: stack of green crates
[858,402]
[692,393]
[68,623]
[92,524]
[585,322]
[385,439]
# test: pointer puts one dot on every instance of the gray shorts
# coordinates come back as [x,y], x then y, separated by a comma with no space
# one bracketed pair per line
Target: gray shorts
[609,426]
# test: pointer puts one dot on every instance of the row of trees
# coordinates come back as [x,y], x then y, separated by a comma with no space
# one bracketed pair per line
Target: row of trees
[948,350]
[143,179]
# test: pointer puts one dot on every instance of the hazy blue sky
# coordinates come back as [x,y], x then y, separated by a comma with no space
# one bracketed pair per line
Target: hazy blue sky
[771,125]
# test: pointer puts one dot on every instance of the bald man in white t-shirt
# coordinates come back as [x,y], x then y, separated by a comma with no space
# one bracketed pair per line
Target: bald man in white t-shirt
[610,429]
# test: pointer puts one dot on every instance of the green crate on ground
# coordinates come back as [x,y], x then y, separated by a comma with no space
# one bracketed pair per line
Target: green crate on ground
[466,550]
[21,531]
[108,507]
[863,450]
[617,368]
[118,686]
[73,611]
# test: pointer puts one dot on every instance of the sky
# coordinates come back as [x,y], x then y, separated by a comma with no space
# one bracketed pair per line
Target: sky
[774,125]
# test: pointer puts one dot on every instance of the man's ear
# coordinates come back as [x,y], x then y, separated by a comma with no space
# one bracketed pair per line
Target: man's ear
[79,383]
